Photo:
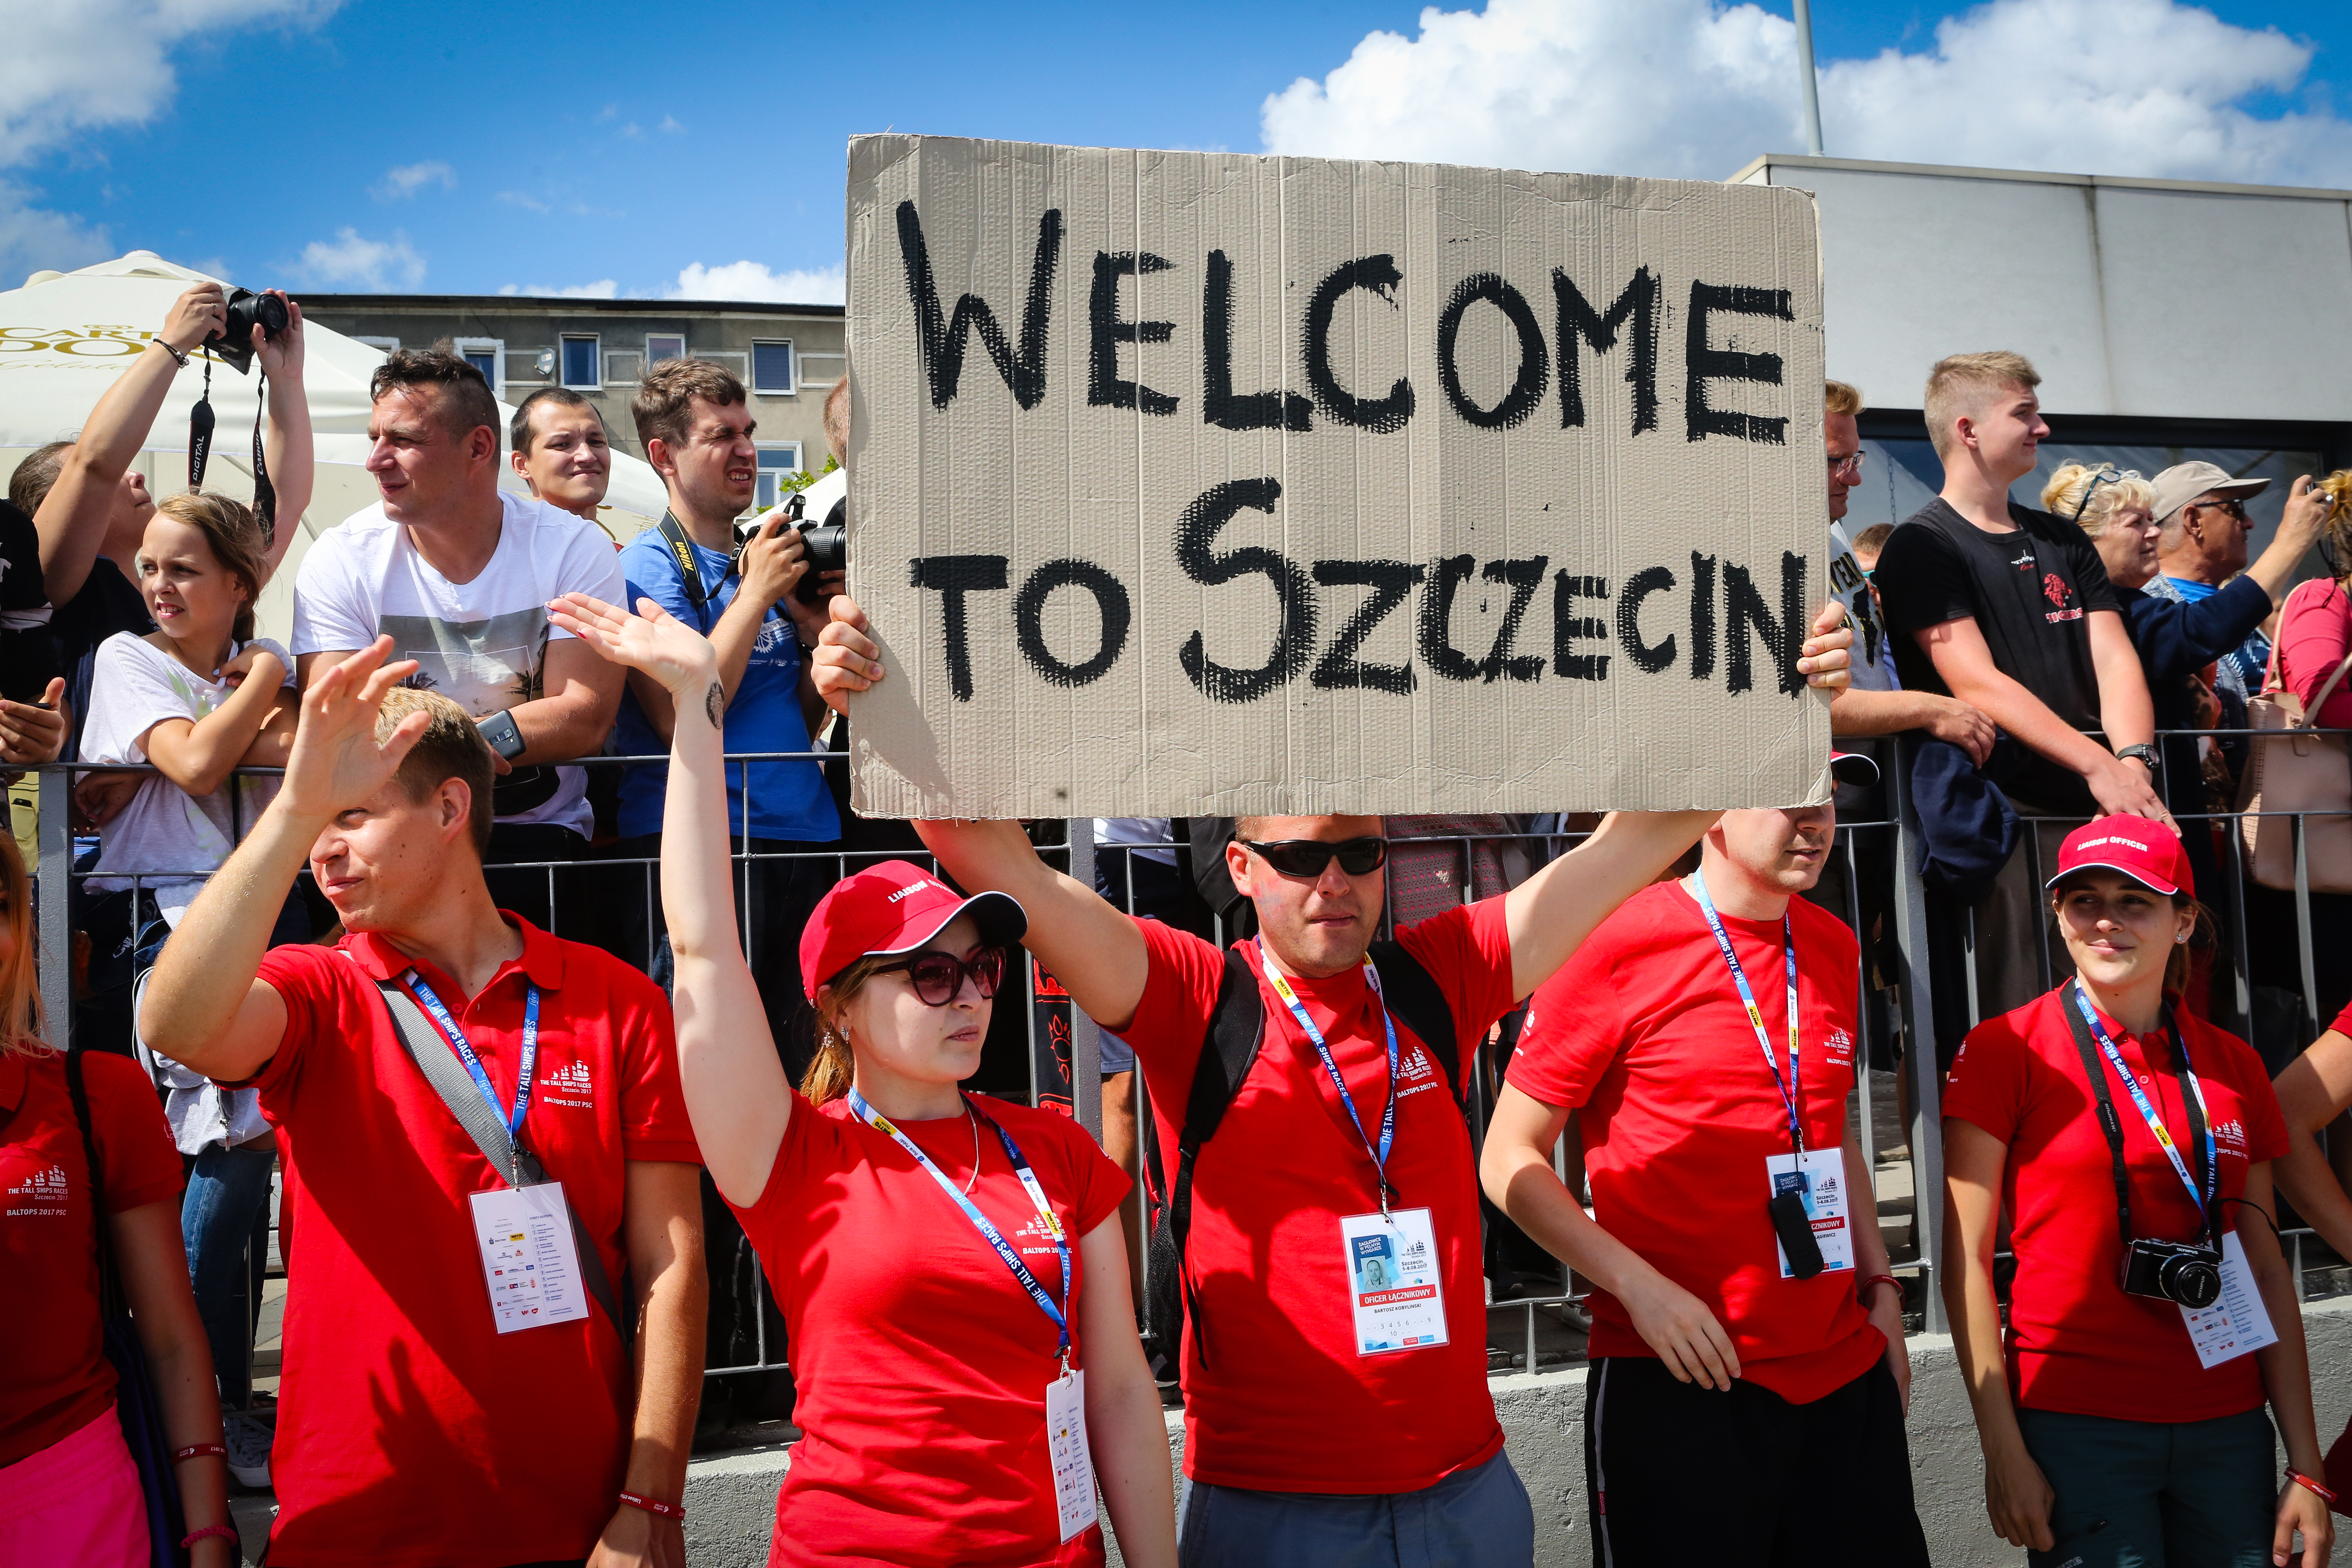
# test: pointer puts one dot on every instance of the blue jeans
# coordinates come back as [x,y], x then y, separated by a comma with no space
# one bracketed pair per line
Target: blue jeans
[2142,1494]
[1478,1518]
[225,1211]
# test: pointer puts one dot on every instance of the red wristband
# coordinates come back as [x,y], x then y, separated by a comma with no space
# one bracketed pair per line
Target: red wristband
[198,1451]
[211,1530]
[1861,1291]
[654,1506]
[2314,1487]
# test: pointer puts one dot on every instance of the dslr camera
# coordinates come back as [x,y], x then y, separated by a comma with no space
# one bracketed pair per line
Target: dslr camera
[825,544]
[233,345]
[2187,1272]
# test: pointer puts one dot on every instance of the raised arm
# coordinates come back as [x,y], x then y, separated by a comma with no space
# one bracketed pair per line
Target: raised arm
[72,519]
[204,1009]
[1551,913]
[286,436]
[2299,529]
[2312,1091]
[736,1092]
[583,694]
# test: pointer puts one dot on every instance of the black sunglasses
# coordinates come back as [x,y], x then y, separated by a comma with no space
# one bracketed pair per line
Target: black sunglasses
[1308,857]
[939,977]
[2235,508]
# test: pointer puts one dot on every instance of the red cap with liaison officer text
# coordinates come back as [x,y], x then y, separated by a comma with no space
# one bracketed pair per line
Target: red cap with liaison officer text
[893,908]
[2141,848]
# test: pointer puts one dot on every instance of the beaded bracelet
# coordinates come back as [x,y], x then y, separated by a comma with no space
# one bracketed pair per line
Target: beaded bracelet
[654,1506]
[211,1530]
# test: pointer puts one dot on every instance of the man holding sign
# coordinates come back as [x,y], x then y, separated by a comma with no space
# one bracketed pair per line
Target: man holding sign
[1334,1359]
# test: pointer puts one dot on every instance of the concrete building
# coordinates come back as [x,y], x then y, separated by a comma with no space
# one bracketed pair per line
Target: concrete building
[2169,318]
[787,355]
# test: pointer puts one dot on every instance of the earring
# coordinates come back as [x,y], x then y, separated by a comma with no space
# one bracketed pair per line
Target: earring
[2179,936]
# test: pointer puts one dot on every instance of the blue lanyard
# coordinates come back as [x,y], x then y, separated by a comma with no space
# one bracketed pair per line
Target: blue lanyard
[980,1222]
[2203,1199]
[473,1064]
[1792,1090]
[1380,1155]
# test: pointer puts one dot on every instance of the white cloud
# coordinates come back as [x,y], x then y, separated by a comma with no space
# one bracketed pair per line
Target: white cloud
[410,178]
[670,125]
[32,240]
[1695,88]
[753,280]
[369,266]
[603,289]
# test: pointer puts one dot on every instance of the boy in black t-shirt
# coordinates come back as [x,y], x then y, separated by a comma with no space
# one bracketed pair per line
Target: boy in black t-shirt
[2011,612]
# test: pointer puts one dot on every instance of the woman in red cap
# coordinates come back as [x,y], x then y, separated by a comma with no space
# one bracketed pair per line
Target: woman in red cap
[2152,1317]
[950,1268]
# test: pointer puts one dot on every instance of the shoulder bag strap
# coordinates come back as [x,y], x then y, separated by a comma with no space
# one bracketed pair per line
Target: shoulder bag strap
[2108,1123]
[109,1285]
[1415,995]
[451,1081]
[2310,719]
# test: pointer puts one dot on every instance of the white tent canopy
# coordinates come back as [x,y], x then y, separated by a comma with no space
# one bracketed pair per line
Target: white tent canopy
[64,337]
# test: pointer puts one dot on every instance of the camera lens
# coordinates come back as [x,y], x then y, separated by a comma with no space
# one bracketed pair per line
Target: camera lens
[270,311]
[2191,1281]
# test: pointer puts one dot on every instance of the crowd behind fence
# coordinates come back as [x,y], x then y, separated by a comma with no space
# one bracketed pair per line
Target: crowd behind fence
[1535,1306]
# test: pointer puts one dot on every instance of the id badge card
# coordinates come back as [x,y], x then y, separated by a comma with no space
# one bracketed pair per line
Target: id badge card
[2237,1323]
[1818,1177]
[1066,1447]
[529,1258]
[1392,1280]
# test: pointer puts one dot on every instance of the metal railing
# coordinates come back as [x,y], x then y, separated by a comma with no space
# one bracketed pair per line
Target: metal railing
[1524,1330]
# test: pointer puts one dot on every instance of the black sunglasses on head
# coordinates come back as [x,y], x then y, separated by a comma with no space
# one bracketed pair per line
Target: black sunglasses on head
[1308,857]
[938,977]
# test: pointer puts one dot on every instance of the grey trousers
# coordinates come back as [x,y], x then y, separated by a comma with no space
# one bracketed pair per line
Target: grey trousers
[1478,1518]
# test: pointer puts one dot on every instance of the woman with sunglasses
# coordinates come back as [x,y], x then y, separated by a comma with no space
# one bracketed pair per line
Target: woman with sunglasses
[950,1268]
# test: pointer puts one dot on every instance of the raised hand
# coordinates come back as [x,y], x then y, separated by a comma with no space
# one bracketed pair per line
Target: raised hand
[337,760]
[652,641]
[33,733]
[281,355]
[195,316]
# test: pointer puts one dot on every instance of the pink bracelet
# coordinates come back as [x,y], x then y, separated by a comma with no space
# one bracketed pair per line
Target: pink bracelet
[196,1535]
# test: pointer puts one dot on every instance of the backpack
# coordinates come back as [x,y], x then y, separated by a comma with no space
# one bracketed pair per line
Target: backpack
[1229,1049]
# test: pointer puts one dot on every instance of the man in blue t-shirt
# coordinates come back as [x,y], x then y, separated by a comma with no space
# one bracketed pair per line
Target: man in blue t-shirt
[696,425]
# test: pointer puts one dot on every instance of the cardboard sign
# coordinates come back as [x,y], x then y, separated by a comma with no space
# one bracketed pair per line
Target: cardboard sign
[1202,483]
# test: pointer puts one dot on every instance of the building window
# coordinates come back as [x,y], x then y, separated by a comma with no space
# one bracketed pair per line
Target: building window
[488,355]
[579,366]
[776,463]
[772,369]
[660,346]
[389,345]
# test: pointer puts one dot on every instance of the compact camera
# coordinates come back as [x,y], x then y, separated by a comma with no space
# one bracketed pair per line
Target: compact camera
[2182,1271]
[233,345]
[825,544]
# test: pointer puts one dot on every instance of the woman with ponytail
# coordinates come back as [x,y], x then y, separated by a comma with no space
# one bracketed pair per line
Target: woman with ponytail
[950,1268]
[2151,1317]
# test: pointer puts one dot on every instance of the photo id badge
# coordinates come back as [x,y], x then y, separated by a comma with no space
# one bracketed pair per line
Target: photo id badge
[1066,1447]
[1392,1280]
[1818,1178]
[529,1258]
[2237,1323]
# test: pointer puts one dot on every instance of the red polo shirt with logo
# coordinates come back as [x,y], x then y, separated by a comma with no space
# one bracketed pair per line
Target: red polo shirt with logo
[410,1432]
[1643,1032]
[55,1378]
[1275,1396]
[2077,1344]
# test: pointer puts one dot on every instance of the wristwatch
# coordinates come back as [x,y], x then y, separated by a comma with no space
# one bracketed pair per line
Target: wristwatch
[2146,754]
[505,738]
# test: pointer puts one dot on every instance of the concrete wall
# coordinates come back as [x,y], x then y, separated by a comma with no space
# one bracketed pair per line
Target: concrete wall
[731,1501]
[2132,297]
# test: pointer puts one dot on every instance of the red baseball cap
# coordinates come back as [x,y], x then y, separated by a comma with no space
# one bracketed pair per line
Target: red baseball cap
[2141,848]
[894,907]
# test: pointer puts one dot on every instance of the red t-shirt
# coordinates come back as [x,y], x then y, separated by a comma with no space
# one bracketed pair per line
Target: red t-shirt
[921,1361]
[1643,1032]
[1281,1401]
[55,1378]
[410,1431]
[2076,1343]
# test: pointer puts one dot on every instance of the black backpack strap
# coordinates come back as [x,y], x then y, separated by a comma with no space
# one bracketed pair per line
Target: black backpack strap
[109,1282]
[1413,995]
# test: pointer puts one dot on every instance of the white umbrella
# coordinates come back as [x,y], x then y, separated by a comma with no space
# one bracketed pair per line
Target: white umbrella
[64,337]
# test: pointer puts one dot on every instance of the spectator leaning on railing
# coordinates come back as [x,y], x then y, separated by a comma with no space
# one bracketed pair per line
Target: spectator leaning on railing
[438,1411]
[557,442]
[1754,1336]
[32,721]
[458,574]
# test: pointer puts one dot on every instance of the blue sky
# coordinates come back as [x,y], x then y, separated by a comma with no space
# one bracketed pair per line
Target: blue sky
[398,145]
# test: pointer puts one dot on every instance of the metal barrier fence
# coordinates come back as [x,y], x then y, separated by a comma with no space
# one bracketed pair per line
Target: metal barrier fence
[1529,1326]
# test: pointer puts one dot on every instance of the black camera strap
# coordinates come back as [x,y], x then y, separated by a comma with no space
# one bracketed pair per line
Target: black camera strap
[200,429]
[200,451]
[2112,1124]
[689,568]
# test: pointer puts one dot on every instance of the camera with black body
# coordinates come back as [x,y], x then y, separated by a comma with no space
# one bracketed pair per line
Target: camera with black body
[2187,1272]
[825,544]
[233,345]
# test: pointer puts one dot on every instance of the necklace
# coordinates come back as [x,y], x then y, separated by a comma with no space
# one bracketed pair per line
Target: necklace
[967,1116]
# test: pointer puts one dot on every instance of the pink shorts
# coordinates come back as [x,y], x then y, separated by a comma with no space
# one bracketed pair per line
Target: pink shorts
[77,1500]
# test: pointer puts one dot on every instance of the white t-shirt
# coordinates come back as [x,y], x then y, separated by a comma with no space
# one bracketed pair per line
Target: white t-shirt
[481,644]
[1869,659]
[134,685]
[1148,830]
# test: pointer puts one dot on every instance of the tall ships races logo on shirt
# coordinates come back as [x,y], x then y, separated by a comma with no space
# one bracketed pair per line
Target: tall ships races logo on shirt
[40,1195]
[569,1085]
